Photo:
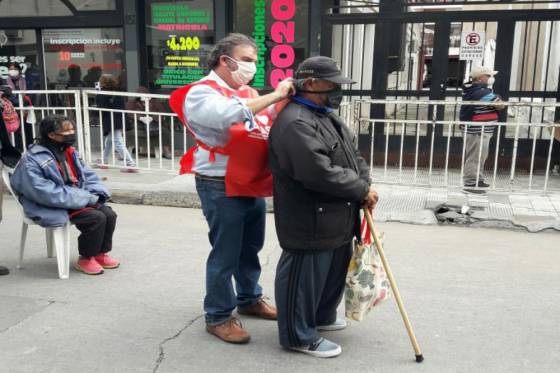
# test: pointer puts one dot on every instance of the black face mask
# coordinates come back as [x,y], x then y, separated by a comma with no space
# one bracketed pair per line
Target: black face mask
[334,96]
[68,140]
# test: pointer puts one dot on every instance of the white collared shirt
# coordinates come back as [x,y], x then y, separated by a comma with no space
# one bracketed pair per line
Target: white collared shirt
[210,115]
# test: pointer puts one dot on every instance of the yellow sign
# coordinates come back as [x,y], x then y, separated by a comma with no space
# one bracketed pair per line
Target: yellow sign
[183,43]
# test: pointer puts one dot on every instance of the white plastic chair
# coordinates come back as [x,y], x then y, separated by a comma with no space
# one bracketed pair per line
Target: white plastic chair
[57,238]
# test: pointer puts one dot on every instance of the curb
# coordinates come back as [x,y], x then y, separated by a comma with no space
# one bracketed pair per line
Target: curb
[425,217]
[165,198]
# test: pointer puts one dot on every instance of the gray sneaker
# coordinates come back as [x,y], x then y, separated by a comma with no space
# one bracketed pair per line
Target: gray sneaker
[321,348]
[339,324]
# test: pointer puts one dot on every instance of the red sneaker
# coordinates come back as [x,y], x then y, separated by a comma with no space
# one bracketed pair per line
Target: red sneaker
[89,266]
[106,261]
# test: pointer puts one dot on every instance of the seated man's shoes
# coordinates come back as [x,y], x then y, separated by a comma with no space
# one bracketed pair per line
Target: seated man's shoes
[89,266]
[339,324]
[106,261]
[260,309]
[322,348]
[230,331]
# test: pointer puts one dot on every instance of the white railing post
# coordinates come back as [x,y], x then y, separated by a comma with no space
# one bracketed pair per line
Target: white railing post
[434,123]
[553,130]
[148,124]
[514,154]
[87,125]
[21,122]
[533,158]
[496,156]
[80,125]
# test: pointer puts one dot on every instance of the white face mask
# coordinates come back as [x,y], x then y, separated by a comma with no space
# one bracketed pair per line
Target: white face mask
[244,73]
[491,81]
[13,73]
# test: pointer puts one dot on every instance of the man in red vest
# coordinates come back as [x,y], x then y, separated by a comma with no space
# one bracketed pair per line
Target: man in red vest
[228,124]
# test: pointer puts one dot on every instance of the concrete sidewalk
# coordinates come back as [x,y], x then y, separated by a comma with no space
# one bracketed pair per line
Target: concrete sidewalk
[414,205]
[480,300]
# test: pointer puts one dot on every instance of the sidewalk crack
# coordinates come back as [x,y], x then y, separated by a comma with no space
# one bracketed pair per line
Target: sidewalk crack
[28,317]
[161,355]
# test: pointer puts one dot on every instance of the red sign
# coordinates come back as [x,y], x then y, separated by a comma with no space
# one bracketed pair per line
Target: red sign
[473,39]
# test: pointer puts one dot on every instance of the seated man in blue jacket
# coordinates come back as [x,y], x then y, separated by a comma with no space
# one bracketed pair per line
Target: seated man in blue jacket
[55,186]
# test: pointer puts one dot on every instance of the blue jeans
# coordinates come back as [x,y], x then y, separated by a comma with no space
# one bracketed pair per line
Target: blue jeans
[119,148]
[236,234]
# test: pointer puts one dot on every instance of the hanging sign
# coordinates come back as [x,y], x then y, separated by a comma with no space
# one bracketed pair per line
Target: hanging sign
[472,45]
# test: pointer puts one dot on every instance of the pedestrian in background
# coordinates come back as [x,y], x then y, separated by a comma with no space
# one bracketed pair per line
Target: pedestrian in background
[150,121]
[9,156]
[15,79]
[16,82]
[477,141]
[112,123]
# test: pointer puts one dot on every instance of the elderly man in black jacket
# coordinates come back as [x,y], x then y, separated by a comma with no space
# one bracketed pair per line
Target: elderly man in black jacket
[320,183]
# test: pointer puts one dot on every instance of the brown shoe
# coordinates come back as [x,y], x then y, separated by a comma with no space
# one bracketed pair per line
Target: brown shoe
[230,331]
[260,309]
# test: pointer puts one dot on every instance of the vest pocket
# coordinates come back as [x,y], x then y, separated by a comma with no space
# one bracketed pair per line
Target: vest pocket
[332,219]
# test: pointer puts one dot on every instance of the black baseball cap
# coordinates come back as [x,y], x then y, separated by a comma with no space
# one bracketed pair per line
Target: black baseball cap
[321,67]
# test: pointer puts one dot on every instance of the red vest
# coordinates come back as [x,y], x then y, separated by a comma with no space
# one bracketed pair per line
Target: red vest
[247,173]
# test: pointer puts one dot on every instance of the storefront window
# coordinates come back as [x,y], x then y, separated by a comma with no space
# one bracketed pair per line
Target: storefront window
[48,8]
[179,36]
[76,58]
[20,46]
[90,5]
[280,28]
[33,8]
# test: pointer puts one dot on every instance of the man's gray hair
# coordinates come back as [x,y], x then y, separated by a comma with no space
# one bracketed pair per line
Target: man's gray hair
[226,46]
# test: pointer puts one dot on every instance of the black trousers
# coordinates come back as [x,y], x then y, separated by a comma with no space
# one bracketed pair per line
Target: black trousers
[308,289]
[96,227]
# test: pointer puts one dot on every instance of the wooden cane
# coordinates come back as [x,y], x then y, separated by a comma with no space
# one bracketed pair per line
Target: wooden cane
[417,351]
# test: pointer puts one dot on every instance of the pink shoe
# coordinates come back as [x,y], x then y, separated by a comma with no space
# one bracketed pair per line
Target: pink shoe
[89,266]
[106,261]
[129,170]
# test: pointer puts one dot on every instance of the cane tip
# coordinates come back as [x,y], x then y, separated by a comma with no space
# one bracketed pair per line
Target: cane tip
[419,358]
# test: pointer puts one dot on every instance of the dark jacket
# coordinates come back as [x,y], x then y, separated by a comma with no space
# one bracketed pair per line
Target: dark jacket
[476,113]
[111,102]
[320,180]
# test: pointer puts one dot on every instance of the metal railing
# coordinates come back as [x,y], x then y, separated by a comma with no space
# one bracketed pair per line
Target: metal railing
[46,102]
[145,132]
[421,151]
[392,166]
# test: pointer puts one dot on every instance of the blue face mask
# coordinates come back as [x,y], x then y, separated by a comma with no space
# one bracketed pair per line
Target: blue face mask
[312,105]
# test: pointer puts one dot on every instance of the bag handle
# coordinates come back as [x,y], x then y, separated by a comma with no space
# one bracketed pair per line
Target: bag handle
[365,231]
